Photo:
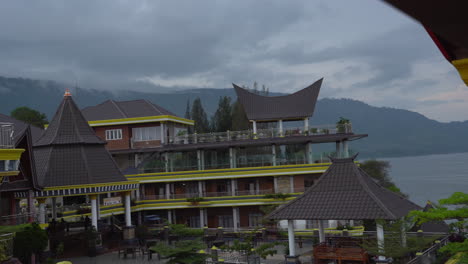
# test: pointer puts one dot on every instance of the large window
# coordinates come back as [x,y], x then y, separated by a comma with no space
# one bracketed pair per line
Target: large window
[146,133]
[114,134]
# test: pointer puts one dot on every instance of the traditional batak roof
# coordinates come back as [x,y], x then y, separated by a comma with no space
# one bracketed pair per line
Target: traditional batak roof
[111,109]
[294,106]
[70,154]
[345,192]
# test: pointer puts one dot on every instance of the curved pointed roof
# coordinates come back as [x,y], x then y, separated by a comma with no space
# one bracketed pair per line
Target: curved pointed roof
[345,192]
[294,106]
[69,153]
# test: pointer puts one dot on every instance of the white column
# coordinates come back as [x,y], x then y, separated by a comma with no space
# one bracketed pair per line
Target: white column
[166,161]
[199,160]
[202,218]
[306,125]
[168,191]
[42,216]
[292,246]
[235,218]
[93,211]
[169,216]
[273,155]
[233,186]
[231,158]
[321,231]
[280,128]
[254,126]
[345,153]
[291,183]
[309,153]
[275,184]
[163,134]
[200,188]
[257,186]
[338,149]
[54,208]
[128,211]
[202,159]
[380,240]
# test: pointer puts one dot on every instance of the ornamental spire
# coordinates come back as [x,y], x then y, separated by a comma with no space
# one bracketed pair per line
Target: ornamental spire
[67,93]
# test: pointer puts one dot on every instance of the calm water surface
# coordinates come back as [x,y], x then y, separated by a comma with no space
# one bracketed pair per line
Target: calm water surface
[430,177]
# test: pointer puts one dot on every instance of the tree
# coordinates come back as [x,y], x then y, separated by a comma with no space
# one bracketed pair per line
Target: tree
[239,119]
[29,116]
[454,208]
[222,119]
[378,169]
[199,116]
[185,251]
[187,110]
[31,240]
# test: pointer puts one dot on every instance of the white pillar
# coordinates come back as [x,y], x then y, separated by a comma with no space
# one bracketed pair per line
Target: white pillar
[233,187]
[273,155]
[321,231]
[163,134]
[200,188]
[202,159]
[202,218]
[128,210]
[42,216]
[338,149]
[309,153]
[168,191]
[169,216]
[54,208]
[306,125]
[254,125]
[199,161]
[275,184]
[292,246]
[345,152]
[333,223]
[257,186]
[380,240]
[166,161]
[235,218]
[280,128]
[93,211]
[231,158]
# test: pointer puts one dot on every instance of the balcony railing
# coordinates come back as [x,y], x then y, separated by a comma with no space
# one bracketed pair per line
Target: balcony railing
[213,194]
[6,135]
[261,133]
[16,219]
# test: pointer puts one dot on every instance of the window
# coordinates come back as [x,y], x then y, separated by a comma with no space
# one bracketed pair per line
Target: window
[255,220]
[114,134]
[146,133]
[225,221]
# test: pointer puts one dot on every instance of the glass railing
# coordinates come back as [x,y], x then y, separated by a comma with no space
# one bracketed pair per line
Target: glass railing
[214,194]
[6,135]
[261,133]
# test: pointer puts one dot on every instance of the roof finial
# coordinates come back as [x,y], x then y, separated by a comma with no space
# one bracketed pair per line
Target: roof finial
[67,93]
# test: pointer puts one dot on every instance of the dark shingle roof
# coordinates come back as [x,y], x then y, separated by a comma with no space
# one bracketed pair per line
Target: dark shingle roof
[69,153]
[111,109]
[345,192]
[298,105]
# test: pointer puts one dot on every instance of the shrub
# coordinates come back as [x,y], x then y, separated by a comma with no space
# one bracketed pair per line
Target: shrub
[31,240]
[184,231]
[277,196]
[195,200]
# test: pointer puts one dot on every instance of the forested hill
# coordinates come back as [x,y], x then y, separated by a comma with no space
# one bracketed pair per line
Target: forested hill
[392,132]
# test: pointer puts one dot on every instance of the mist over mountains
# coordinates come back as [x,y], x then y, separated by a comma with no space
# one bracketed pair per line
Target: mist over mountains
[392,132]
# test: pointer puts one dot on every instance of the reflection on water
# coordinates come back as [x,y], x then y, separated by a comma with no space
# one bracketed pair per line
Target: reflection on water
[430,177]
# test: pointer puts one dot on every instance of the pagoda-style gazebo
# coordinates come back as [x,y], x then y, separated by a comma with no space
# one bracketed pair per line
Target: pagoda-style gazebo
[71,160]
[344,192]
[292,107]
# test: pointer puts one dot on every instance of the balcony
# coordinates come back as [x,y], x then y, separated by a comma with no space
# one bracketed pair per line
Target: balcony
[6,135]
[261,134]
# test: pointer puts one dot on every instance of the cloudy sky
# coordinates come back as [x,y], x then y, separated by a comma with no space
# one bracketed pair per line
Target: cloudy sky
[364,49]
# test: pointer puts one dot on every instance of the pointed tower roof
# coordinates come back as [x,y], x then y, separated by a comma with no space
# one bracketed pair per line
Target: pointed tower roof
[345,192]
[70,154]
[298,105]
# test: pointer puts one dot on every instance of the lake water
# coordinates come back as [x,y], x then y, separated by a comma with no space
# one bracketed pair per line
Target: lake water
[430,177]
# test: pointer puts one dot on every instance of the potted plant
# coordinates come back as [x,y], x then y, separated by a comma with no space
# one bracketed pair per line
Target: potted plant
[342,125]
[195,200]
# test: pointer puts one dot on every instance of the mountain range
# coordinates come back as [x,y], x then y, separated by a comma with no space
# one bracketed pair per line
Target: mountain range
[392,132]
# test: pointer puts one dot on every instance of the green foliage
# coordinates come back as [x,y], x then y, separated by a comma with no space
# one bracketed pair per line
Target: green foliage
[222,119]
[185,251]
[199,116]
[195,200]
[340,125]
[379,170]
[29,116]
[12,228]
[277,196]
[32,239]
[239,119]
[184,231]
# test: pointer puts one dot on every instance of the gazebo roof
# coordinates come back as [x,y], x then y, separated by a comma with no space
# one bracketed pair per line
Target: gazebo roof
[70,154]
[345,192]
[294,106]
